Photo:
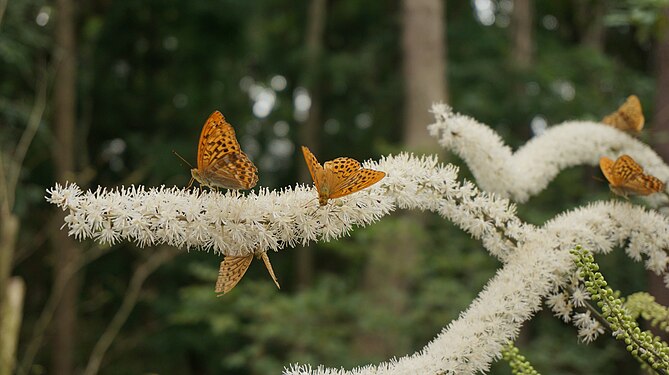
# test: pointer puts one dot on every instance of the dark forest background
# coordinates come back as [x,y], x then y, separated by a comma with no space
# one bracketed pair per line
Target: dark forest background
[101,93]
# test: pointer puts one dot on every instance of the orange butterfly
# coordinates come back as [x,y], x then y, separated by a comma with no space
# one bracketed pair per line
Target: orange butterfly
[339,177]
[629,117]
[220,160]
[626,176]
[233,268]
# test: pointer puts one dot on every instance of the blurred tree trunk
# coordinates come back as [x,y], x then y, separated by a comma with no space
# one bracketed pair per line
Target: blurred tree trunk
[9,229]
[590,20]
[64,120]
[10,308]
[661,115]
[522,59]
[10,323]
[310,131]
[424,68]
[660,129]
[12,289]
[522,35]
[396,255]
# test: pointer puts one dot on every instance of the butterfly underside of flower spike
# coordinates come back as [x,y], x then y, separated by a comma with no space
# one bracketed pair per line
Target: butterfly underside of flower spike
[233,268]
[629,117]
[626,177]
[220,160]
[339,177]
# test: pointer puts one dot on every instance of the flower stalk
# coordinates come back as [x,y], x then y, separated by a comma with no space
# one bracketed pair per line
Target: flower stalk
[536,260]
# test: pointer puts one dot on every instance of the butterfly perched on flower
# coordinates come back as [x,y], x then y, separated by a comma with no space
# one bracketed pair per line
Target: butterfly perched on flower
[626,177]
[220,160]
[339,177]
[628,117]
[233,268]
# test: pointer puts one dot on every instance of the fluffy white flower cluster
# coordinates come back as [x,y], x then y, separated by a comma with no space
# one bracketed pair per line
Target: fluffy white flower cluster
[537,262]
[236,224]
[539,267]
[230,223]
[528,171]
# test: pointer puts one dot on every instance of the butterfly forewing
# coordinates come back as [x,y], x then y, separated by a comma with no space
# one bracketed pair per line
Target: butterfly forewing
[360,180]
[314,166]
[217,139]
[232,270]
[268,265]
[626,169]
[629,117]
[220,161]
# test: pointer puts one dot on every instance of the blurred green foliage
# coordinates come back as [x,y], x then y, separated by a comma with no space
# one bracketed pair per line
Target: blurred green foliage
[150,73]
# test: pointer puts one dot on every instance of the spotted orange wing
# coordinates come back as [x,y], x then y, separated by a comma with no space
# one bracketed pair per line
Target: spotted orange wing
[626,176]
[220,160]
[232,270]
[217,138]
[606,165]
[349,176]
[315,168]
[628,117]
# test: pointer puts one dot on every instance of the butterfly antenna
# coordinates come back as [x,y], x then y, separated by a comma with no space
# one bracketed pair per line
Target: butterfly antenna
[313,214]
[309,202]
[184,160]
[338,218]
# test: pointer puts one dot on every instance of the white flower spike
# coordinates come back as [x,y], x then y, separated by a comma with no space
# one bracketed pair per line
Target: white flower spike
[528,171]
[537,264]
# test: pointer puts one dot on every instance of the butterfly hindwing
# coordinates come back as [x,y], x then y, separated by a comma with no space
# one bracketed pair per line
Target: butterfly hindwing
[644,185]
[232,270]
[233,171]
[343,167]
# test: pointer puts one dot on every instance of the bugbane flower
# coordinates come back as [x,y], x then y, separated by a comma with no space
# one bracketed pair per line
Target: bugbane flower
[524,173]
[536,259]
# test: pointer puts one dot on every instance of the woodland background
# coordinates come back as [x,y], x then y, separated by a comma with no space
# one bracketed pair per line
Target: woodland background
[101,92]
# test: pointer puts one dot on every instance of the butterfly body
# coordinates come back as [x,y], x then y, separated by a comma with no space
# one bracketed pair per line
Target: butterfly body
[220,160]
[627,177]
[339,177]
[233,268]
[629,117]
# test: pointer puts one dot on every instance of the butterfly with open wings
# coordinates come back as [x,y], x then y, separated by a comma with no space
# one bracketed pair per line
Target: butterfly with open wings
[339,177]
